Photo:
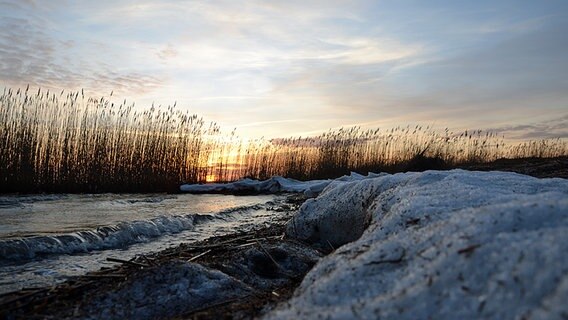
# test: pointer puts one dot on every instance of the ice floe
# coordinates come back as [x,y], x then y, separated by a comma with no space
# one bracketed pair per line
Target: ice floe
[273,185]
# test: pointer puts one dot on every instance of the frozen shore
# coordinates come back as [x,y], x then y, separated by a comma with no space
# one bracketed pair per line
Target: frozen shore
[242,271]
[436,245]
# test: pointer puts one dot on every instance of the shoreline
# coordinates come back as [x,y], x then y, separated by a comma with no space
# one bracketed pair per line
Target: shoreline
[536,167]
[267,264]
[261,254]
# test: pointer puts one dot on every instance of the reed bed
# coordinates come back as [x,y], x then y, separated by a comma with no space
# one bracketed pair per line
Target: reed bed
[338,152]
[66,142]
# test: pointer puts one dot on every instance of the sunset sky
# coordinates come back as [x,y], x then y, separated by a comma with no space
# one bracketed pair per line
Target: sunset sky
[282,68]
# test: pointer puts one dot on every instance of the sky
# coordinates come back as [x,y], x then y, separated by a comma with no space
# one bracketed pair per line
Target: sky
[289,68]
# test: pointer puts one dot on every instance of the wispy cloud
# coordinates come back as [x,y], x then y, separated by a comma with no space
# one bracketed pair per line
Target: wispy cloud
[32,53]
[552,128]
[263,65]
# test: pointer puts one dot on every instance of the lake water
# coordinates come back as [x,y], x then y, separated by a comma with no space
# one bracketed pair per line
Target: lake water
[45,239]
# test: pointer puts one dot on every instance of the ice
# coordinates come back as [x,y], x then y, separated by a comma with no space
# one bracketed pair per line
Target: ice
[170,290]
[272,185]
[275,184]
[436,245]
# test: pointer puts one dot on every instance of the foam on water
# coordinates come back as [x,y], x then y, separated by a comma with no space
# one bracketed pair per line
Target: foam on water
[43,253]
[107,237]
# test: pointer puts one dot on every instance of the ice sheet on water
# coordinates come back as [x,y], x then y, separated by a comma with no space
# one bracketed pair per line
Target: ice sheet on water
[436,245]
[275,184]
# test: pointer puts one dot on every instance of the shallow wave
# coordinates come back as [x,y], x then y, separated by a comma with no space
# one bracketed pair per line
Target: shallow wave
[156,199]
[109,237]
[21,201]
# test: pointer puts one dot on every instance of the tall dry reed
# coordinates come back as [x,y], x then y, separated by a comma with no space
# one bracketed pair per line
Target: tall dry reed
[338,152]
[66,142]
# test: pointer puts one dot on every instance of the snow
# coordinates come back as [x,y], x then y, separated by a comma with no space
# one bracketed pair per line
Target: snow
[168,291]
[273,185]
[175,288]
[435,245]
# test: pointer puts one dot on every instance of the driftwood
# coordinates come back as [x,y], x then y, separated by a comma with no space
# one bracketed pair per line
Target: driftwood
[199,255]
[8,303]
[132,263]
[273,260]
[112,275]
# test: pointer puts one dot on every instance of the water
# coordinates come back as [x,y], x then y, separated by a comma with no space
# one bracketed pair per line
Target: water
[47,239]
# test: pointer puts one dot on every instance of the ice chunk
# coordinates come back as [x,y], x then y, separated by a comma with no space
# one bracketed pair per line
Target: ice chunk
[436,245]
[170,290]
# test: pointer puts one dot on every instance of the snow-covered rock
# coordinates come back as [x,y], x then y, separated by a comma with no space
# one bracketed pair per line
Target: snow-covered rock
[436,245]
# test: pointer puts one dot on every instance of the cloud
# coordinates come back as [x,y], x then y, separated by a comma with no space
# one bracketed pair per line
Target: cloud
[330,63]
[369,50]
[513,79]
[169,52]
[551,129]
[211,50]
[31,53]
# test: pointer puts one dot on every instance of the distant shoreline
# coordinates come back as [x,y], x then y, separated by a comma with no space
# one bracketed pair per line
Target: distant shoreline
[537,167]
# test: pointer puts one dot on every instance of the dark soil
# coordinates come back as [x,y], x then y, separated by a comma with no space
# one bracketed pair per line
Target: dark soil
[536,167]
